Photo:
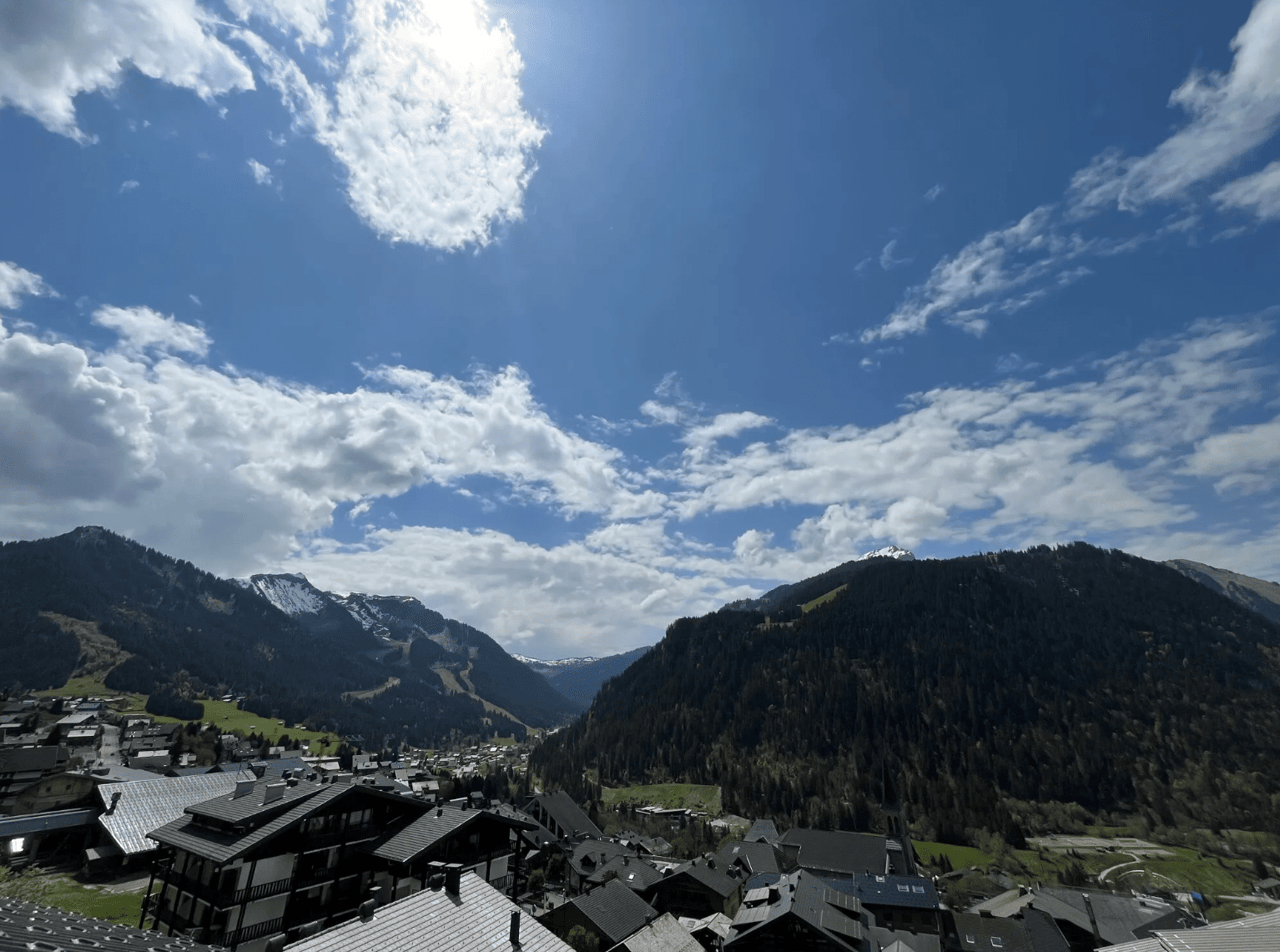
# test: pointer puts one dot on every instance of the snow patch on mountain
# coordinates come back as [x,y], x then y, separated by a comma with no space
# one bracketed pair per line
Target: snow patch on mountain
[291,593]
[888,552]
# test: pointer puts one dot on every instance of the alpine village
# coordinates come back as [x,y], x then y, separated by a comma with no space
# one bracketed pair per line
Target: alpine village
[1053,750]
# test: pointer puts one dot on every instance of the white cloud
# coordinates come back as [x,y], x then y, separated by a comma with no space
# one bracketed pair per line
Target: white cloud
[660,412]
[1258,193]
[1012,267]
[16,282]
[241,473]
[141,328]
[1231,115]
[990,267]
[261,174]
[724,425]
[52,52]
[933,193]
[128,186]
[195,300]
[307,18]
[888,261]
[426,117]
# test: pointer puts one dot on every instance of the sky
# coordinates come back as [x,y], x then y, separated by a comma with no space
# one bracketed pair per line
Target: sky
[574,318]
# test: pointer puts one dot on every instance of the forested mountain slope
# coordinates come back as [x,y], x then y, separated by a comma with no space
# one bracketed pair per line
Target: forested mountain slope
[1068,674]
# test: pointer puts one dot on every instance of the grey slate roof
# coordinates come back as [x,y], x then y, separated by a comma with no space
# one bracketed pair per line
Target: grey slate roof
[631,871]
[1119,917]
[561,808]
[911,892]
[838,852]
[713,877]
[755,857]
[977,931]
[244,810]
[615,910]
[478,919]
[664,934]
[147,805]
[762,831]
[220,847]
[23,924]
[1044,932]
[806,897]
[423,833]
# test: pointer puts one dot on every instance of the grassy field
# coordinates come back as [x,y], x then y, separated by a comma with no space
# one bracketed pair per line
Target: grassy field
[669,796]
[224,714]
[64,892]
[822,599]
[961,856]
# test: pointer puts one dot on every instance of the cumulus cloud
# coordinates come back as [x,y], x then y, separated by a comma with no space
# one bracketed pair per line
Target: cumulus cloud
[128,185]
[261,174]
[52,52]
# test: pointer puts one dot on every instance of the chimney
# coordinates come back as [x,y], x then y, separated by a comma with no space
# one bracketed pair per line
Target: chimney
[115,799]
[367,908]
[1093,920]
[515,927]
[453,878]
[259,769]
[243,787]
[273,792]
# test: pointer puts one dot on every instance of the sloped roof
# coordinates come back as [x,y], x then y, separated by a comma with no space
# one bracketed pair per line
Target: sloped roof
[664,934]
[436,825]
[24,923]
[977,931]
[567,814]
[147,805]
[838,851]
[912,892]
[631,871]
[1119,917]
[185,833]
[762,831]
[710,874]
[805,896]
[615,911]
[478,918]
[252,805]
[1252,934]
[755,857]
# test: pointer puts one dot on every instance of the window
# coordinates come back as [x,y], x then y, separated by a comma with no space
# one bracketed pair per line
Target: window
[997,942]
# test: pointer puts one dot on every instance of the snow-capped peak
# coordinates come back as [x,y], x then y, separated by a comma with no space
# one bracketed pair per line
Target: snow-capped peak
[888,552]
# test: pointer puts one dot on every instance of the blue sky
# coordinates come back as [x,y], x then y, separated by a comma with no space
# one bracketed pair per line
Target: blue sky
[573,318]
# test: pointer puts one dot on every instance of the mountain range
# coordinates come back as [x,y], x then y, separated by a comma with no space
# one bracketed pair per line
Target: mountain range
[580,679]
[378,666]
